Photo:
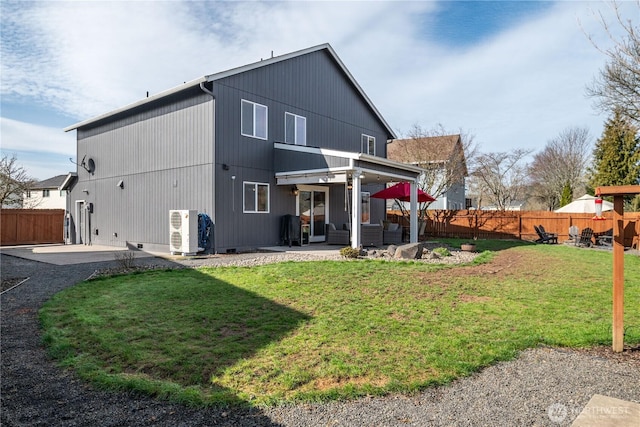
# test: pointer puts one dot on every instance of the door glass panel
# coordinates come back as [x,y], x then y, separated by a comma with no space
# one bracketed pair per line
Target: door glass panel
[366,208]
[305,206]
[319,204]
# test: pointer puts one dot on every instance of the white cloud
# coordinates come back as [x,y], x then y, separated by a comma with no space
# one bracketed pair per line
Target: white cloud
[27,137]
[519,88]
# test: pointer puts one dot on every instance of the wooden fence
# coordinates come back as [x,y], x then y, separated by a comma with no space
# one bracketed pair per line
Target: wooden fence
[469,224]
[31,226]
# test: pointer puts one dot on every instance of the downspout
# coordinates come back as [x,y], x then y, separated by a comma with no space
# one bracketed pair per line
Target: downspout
[213,163]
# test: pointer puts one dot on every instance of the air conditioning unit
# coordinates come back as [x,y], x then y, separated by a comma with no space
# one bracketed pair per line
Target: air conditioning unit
[183,232]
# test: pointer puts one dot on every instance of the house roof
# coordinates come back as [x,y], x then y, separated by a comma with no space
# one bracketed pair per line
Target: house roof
[54,182]
[428,149]
[238,70]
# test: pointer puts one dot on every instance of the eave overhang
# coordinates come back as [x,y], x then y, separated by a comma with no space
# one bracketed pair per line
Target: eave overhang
[326,166]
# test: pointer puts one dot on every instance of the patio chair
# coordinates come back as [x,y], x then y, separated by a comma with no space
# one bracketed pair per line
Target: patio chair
[335,236]
[544,237]
[604,239]
[574,234]
[585,238]
[392,234]
[551,235]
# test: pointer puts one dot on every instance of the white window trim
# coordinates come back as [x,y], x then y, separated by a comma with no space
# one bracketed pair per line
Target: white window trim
[256,185]
[365,149]
[266,130]
[295,128]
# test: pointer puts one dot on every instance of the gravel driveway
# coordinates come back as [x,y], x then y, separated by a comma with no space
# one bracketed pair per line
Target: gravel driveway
[518,393]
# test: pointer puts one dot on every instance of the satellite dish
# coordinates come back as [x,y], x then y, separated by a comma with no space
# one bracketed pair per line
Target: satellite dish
[91,166]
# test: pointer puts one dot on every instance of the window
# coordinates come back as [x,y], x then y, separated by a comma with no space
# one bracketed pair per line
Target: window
[254,120]
[368,145]
[45,193]
[28,194]
[365,212]
[295,129]
[256,197]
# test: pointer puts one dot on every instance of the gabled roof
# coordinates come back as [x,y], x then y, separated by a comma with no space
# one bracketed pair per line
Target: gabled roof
[54,182]
[428,149]
[238,70]
[69,180]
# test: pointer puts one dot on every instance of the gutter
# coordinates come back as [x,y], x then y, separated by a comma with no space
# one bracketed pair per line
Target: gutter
[144,101]
[212,215]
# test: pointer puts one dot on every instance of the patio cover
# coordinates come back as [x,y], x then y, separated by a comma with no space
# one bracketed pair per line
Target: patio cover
[295,165]
[584,204]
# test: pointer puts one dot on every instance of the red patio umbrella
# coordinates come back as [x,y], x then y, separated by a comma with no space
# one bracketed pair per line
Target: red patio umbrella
[401,191]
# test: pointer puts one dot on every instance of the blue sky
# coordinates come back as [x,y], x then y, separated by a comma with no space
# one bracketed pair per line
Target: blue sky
[512,73]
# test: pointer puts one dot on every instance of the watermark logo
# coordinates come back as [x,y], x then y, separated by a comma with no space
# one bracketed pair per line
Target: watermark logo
[557,412]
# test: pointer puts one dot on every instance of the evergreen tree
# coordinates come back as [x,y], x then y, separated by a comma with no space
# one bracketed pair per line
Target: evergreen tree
[616,155]
[567,194]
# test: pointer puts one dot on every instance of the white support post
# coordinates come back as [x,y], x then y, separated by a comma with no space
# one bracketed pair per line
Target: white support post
[413,215]
[356,210]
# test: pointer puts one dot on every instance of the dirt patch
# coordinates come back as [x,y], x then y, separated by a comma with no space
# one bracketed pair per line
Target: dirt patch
[324,384]
[505,264]
[628,354]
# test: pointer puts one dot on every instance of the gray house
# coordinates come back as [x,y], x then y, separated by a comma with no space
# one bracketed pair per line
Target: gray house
[290,135]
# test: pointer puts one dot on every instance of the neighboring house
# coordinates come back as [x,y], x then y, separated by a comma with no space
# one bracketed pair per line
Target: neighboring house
[46,194]
[445,166]
[290,135]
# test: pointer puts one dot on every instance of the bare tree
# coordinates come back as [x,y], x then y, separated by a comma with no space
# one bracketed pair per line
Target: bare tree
[445,158]
[501,177]
[562,161]
[618,84]
[14,181]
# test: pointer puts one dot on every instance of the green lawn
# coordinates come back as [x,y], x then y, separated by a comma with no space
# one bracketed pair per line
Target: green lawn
[328,330]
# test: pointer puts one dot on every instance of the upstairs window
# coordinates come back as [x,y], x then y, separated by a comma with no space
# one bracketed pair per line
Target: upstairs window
[368,144]
[254,120]
[46,193]
[256,197]
[295,129]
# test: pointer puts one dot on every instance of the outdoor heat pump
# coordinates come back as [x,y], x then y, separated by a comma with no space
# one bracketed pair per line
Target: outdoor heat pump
[183,232]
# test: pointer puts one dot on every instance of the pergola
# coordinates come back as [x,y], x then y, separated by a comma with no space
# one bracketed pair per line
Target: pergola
[618,193]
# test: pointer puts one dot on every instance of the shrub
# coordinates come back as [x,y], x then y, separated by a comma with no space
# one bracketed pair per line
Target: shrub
[125,259]
[349,252]
[442,251]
